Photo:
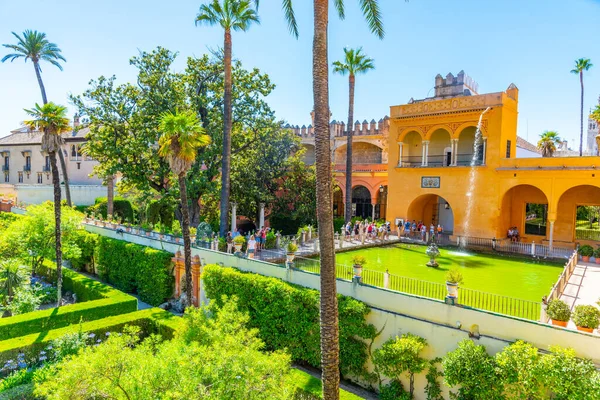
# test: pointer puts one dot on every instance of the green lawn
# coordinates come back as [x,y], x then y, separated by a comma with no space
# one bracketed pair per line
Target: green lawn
[310,387]
[512,277]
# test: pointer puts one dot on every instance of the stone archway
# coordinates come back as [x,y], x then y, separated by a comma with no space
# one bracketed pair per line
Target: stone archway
[338,202]
[361,202]
[573,222]
[432,209]
[526,208]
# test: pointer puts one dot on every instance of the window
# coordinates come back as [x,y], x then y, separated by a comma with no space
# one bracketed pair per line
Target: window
[587,226]
[27,163]
[6,162]
[78,165]
[508,145]
[40,178]
[20,177]
[47,164]
[535,219]
[6,177]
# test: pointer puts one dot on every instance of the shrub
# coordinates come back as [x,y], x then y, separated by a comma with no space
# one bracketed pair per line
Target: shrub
[160,211]
[239,239]
[24,301]
[586,250]
[394,391]
[568,377]
[454,276]
[122,208]
[271,240]
[285,224]
[359,260]
[558,310]
[108,302]
[87,243]
[287,316]
[291,248]
[433,389]
[474,370]
[518,366]
[586,316]
[135,269]
[338,223]
[597,253]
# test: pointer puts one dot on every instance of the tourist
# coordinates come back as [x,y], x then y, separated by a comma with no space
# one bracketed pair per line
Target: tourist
[381,232]
[431,231]
[236,233]
[263,239]
[407,228]
[516,234]
[511,234]
[348,230]
[229,240]
[251,246]
[423,231]
[439,232]
[356,224]
[388,230]
[361,230]
[258,237]
[370,230]
[413,228]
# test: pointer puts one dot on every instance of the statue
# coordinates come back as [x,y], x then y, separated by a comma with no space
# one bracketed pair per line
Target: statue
[432,252]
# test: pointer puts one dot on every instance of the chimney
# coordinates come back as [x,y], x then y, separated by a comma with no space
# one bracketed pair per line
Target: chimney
[76,121]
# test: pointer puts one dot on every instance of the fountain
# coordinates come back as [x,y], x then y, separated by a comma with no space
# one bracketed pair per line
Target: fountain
[432,252]
[472,177]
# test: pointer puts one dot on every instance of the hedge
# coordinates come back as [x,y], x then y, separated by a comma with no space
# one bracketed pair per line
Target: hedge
[152,320]
[287,316]
[95,301]
[122,208]
[135,269]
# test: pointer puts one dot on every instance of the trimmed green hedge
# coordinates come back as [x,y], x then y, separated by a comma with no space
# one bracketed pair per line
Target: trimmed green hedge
[122,208]
[95,301]
[135,269]
[153,320]
[287,316]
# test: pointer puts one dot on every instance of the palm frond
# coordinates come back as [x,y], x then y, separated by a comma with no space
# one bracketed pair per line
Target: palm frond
[34,46]
[339,6]
[290,17]
[372,14]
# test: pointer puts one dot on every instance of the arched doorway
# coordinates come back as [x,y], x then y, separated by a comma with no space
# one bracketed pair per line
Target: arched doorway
[432,209]
[361,202]
[578,215]
[526,208]
[338,202]
[439,153]
[381,205]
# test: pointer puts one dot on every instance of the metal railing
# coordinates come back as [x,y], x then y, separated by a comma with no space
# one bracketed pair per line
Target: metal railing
[563,279]
[587,234]
[500,304]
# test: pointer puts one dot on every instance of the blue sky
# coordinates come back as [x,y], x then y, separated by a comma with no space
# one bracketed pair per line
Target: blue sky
[532,43]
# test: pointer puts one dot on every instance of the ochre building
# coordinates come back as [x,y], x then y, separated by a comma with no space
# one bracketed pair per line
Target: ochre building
[436,173]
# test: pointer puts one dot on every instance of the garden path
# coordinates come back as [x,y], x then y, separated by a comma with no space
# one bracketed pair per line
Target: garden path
[583,287]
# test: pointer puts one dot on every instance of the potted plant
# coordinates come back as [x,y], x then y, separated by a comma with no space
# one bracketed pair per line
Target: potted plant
[238,242]
[291,249]
[453,279]
[559,312]
[358,262]
[586,251]
[586,318]
[597,255]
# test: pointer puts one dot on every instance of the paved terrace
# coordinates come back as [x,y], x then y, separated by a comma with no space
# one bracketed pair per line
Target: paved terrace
[583,287]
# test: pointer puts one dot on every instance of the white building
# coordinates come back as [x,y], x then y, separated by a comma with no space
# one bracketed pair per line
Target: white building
[591,146]
[26,172]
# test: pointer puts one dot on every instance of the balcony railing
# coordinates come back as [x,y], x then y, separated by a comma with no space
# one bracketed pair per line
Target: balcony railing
[5,168]
[46,168]
[436,161]
[27,168]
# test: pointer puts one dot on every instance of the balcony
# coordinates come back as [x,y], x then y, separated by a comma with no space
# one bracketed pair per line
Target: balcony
[341,168]
[46,168]
[27,168]
[77,157]
[5,168]
[438,161]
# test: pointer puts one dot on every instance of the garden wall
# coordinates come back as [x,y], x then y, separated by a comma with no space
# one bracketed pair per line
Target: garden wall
[442,325]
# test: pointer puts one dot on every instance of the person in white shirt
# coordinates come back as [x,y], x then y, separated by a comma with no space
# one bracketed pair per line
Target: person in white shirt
[251,247]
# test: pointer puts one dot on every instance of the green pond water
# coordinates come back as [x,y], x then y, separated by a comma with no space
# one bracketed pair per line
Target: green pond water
[520,278]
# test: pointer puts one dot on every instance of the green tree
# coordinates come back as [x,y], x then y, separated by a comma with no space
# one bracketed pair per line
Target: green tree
[568,377]
[547,143]
[354,63]
[182,137]
[236,15]
[595,115]
[35,47]
[12,276]
[583,64]
[329,319]
[399,355]
[51,118]
[519,369]
[214,357]
[474,370]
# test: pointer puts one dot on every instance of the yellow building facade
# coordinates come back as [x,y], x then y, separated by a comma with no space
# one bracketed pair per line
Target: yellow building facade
[437,175]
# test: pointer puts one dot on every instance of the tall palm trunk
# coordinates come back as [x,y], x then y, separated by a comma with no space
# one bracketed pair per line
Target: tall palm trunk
[348,213]
[329,310]
[110,196]
[63,165]
[56,183]
[581,116]
[225,184]
[187,242]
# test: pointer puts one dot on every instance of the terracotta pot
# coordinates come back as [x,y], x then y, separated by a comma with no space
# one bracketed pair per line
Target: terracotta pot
[597,260]
[585,258]
[559,323]
[582,329]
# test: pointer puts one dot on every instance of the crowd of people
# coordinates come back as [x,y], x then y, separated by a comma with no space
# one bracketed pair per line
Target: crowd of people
[256,241]
[369,230]
[419,229]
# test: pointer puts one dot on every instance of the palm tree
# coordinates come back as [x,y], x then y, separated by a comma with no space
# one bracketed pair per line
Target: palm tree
[182,136]
[12,276]
[547,143]
[355,62]
[52,120]
[35,47]
[329,309]
[595,115]
[583,64]
[231,15]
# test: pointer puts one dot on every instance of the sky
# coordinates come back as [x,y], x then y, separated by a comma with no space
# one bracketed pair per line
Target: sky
[531,43]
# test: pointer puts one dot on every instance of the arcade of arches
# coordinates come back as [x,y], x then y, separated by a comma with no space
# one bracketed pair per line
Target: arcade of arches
[363,204]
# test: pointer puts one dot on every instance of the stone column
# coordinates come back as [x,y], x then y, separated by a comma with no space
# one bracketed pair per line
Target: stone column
[425,152]
[484,150]
[196,280]
[178,271]
[400,150]
[373,203]
[261,218]
[551,235]
[454,157]
[233,216]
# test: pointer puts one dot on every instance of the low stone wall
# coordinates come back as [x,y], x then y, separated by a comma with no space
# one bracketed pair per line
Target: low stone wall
[396,313]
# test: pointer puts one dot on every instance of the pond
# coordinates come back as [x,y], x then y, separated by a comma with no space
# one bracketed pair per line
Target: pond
[505,275]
